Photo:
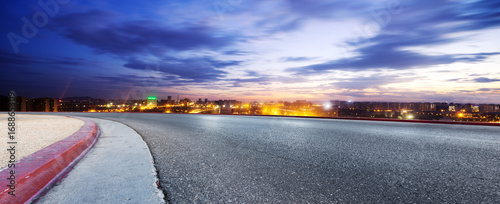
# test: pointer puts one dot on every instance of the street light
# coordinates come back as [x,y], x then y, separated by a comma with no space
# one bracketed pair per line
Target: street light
[327,105]
[410,116]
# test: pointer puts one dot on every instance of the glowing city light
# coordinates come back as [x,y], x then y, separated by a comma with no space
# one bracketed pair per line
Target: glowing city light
[327,105]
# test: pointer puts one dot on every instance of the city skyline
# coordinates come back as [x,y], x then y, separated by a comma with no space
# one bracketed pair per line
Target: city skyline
[211,99]
[384,51]
[393,111]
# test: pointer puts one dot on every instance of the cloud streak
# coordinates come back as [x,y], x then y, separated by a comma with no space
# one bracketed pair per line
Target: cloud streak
[99,31]
[416,26]
[201,69]
[485,80]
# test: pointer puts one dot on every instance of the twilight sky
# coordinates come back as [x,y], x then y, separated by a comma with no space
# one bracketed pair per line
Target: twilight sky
[363,50]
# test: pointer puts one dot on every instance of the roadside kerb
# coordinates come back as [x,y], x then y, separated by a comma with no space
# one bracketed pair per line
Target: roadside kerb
[36,173]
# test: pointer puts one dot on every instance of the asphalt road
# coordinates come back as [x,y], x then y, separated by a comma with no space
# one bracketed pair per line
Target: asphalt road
[242,159]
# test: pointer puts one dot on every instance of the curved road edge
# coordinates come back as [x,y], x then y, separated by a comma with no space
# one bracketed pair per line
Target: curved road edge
[119,169]
[38,172]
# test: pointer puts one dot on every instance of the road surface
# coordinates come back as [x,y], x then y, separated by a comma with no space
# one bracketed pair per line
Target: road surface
[221,158]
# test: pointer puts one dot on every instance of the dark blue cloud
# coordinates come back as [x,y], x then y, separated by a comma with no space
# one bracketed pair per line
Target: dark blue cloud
[480,14]
[488,89]
[387,57]
[236,52]
[327,8]
[252,73]
[282,25]
[259,80]
[418,25]
[8,60]
[300,11]
[99,31]
[485,80]
[199,69]
[373,81]
[145,82]
[120,79]
[130,39]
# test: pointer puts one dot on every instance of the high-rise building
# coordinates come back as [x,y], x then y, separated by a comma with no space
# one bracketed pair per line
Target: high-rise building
[426,107]
[24,104]
[488,108]
[169,100]
[44,105]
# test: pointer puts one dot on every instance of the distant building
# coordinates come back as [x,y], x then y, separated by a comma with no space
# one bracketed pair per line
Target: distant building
[24,104]
[442,107]
[302,104]
[427,107]
[185,101]
[169,101]
[45,105]
[228,103]
[82,104]
[451,108]
[489,108]
[152,101]
[227,106]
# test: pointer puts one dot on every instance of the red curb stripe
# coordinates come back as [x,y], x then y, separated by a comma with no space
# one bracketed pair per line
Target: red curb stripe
[36,173]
